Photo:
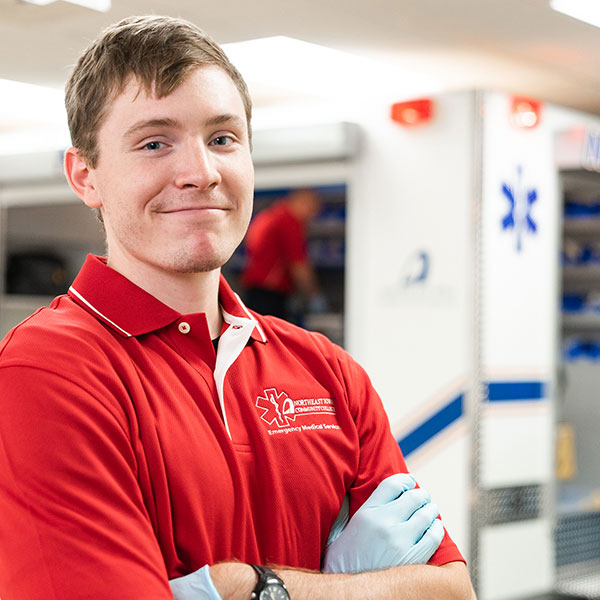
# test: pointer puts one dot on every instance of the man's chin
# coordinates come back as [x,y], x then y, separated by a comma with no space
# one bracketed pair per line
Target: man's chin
[203,263]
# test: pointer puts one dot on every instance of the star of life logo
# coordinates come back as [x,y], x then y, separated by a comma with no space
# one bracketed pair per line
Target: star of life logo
[278,409]
[521,199]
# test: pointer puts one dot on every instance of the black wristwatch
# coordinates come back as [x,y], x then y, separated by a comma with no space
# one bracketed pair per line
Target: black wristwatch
[270,586]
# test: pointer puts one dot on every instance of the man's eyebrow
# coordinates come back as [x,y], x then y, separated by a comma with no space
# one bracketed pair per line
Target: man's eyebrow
[225,118]
[147,123]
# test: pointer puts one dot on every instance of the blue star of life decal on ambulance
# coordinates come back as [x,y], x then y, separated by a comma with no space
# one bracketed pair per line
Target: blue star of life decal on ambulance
[521,199]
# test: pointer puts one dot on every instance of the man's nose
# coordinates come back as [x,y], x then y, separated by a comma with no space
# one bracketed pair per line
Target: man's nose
[197,167]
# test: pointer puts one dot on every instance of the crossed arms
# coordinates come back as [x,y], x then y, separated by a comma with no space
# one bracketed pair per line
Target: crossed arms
[380,553]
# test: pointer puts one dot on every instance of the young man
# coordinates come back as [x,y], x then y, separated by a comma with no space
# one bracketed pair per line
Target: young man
[151,427]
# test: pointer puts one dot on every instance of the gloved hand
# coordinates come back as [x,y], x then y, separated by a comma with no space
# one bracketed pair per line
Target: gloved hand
[397,525]
[195,586]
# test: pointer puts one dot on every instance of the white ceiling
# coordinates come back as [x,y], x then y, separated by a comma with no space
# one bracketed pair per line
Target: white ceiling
[520,46]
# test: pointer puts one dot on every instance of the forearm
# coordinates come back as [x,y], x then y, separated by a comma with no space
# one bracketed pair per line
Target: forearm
[412,582]
[235,581]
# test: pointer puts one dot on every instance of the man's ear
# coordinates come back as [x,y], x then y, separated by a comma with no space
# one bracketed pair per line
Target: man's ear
[79,176]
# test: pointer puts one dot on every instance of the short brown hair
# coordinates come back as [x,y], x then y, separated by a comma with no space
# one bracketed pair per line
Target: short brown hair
[160,52]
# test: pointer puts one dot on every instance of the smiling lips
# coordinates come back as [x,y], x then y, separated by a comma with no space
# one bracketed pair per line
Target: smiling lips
[184,209]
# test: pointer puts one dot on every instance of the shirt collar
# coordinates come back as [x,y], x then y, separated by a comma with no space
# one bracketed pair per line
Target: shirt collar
[131,311]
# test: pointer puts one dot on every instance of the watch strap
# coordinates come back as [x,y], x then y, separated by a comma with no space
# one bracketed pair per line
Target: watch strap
[266,577]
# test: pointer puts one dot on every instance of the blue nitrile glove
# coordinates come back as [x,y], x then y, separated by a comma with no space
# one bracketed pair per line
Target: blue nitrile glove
[195,586]
[397,525]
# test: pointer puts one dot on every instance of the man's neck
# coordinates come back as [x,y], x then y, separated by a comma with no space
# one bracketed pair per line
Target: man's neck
[186,293]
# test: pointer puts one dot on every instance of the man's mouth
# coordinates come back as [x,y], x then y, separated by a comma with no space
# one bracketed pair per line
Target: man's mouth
[193,209]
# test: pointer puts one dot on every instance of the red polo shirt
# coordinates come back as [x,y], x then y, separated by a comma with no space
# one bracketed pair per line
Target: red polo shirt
[275,240]
[130,454]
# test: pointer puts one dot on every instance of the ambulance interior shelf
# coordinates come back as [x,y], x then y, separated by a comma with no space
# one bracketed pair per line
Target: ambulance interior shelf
[580,258]
[577,525]
[579,376]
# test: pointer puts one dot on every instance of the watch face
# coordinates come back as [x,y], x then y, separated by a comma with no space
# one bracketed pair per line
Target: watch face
[273,591]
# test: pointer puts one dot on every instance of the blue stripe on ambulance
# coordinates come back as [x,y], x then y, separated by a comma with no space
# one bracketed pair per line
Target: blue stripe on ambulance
[497,391]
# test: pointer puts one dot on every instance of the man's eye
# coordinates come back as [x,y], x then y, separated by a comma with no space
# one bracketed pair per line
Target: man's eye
[222,140]
[153,146]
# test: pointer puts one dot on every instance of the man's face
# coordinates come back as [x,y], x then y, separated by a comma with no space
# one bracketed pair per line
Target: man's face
[174,179]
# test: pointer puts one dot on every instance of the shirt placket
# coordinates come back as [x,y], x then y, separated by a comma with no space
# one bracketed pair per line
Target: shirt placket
[231,344]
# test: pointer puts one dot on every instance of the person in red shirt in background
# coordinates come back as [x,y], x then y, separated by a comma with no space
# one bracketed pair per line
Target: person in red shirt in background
[278,264]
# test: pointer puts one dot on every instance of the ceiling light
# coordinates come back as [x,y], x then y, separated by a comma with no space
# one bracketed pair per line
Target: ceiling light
[32,118]
[26,100]
[584,10]
[99,5]
[313,71]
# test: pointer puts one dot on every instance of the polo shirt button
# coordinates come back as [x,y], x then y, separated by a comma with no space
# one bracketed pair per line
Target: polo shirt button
[184,327]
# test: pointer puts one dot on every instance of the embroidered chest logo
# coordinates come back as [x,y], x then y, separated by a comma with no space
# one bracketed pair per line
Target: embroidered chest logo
[277,408]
